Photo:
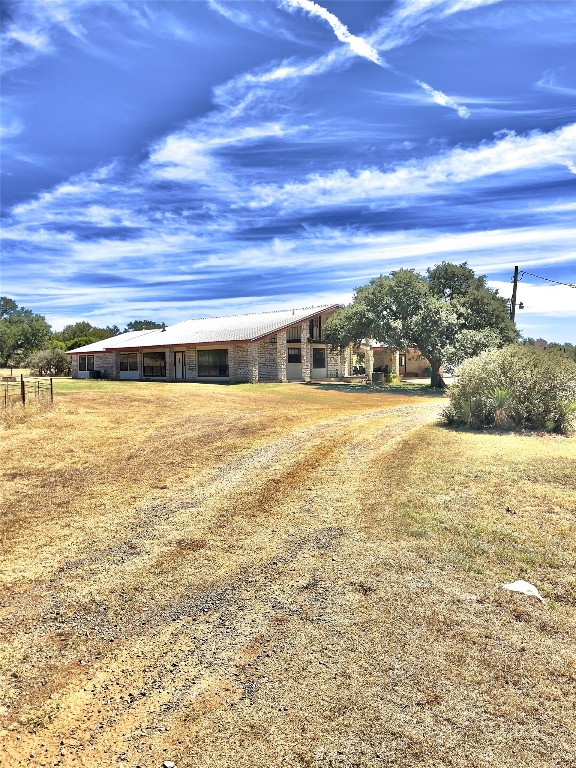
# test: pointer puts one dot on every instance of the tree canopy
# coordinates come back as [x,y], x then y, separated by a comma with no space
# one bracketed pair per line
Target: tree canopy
[142,325]
[24,333]
[21,332]
[83,332]
[449,314]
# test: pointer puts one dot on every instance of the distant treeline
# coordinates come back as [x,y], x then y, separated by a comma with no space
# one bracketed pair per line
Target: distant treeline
[24,333]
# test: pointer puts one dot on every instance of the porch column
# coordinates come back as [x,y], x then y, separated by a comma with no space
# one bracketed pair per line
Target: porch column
[344,361]
[232,363]
[397,363]
[170,370]
[281,356]
[306,352]
[369,363]
[116,365]
[253,362]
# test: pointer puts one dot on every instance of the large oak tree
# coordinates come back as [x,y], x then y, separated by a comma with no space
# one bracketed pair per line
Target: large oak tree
[21,332]
[449,314]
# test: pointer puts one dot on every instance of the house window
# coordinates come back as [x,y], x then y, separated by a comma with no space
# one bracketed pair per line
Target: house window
[318,357]
[294,355]
[316,328]
[213,362]
[294,334]
[86,362]
[154,363]
[129,362]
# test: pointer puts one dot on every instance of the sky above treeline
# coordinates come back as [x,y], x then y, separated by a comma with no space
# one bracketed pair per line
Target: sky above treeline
[168,160]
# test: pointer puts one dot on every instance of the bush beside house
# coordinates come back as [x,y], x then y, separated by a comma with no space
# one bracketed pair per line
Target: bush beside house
[518,385]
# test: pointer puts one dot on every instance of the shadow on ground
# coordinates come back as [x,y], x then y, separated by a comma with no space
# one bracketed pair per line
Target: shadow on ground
[407,389]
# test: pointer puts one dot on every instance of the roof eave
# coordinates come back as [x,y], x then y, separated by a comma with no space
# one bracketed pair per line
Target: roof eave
[298,322]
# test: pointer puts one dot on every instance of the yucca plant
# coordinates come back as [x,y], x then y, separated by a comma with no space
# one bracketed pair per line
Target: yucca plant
[564,418]
[521,385]
[501,400]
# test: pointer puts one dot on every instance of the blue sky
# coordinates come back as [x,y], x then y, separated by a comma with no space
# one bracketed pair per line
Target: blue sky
[167,160]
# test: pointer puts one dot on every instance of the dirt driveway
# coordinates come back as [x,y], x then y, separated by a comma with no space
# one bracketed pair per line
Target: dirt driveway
[227,601]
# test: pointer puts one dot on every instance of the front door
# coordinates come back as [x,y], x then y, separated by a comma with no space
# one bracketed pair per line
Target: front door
[319,370]
[402,364]
[179,365]
[294,363]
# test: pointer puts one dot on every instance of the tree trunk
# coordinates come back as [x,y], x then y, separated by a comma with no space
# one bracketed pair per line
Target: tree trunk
[436,379]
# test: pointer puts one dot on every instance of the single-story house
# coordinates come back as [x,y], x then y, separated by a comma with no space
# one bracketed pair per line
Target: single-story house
[286,345]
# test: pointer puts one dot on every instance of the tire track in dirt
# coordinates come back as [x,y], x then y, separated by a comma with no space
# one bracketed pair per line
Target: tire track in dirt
[182,641]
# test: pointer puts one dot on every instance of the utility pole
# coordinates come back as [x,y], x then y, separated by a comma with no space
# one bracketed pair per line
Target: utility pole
[514,288]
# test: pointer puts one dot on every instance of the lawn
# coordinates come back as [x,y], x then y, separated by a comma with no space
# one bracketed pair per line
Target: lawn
[282,575]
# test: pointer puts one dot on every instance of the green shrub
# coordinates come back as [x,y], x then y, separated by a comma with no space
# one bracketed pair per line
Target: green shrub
[50,362]
[517,385]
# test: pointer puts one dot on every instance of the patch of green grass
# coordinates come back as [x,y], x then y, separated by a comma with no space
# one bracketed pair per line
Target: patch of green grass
[484,503]
[398,387]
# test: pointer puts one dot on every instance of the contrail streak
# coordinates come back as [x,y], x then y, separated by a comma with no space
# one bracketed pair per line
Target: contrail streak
[356,44]
[362,48]
[441,98]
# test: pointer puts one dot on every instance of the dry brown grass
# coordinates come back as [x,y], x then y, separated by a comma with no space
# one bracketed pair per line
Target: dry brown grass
[282,576]
[14,372]
[16,414]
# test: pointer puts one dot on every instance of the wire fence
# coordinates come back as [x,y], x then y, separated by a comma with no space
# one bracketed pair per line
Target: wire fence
[24,390]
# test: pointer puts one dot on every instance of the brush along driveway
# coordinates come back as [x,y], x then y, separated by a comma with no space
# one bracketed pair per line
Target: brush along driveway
[279,576]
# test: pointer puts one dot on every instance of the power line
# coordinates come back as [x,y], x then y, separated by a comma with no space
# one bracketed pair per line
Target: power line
[548,279]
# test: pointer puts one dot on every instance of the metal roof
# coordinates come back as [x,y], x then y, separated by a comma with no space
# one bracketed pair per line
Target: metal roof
[111,343]
[210,330]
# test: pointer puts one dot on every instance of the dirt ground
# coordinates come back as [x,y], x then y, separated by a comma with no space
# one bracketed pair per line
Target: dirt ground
[282,575]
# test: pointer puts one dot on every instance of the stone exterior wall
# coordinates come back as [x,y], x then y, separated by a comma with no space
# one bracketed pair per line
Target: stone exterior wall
[170,369]
[281,357]
[416,365]
[384,356]
[103,362]
[267,359]
[270,358]
[191,364]
[334,369]
[242,362]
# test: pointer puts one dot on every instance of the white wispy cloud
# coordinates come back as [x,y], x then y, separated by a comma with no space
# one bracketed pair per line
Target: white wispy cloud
[506,155]
[252,92]
[191,156]
[410,19]
[411,8]
[361,47]
[34,26]
[244,91]
[345,257]
[37,28]
[552,81]
[258,17]
[10,125]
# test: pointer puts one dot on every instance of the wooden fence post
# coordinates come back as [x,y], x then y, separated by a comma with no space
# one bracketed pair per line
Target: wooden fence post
[22,389]
[51,391]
